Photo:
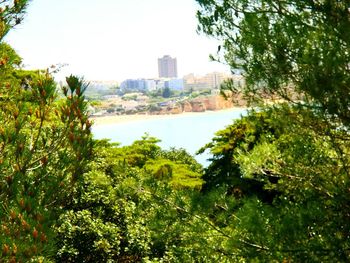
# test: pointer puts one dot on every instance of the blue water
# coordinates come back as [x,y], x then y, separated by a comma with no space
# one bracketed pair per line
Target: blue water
[190,132]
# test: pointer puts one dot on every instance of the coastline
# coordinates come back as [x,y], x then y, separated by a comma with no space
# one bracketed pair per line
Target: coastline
[118,119]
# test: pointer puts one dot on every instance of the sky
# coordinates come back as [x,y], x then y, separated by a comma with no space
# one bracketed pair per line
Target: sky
[113,39]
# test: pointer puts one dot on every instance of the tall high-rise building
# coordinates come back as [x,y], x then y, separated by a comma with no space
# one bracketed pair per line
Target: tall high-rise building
[167,67]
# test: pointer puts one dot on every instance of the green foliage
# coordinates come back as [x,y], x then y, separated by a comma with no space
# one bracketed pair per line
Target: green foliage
[140,151]
[9,58]
[11,14]
[87,238]
[297,51]
[44,145]
[176,165]
[290,177]
[180,155]
[244,135]
[133,200]
[178,175]
[166,92]
[292,49]
[129,97]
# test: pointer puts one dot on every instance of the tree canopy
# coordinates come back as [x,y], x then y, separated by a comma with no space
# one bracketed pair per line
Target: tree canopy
[296,50]
[45,142]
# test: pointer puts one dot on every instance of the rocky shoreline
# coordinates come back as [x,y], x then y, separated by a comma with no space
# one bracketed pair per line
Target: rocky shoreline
[200,104]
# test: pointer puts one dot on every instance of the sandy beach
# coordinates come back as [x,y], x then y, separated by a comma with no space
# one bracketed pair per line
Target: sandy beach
[113,119]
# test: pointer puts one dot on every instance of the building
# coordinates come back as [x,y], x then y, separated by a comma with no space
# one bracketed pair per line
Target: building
[133,85]
[175,84]
[138,85]
[160,83]
[167,67]
[209,81]
[150,84]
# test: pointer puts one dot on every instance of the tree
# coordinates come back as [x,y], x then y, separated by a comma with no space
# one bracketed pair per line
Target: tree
[166,93]
[11,14]
[44,145]
[225,168]
[297,51]
[291,49]
[131,206]
[287,172]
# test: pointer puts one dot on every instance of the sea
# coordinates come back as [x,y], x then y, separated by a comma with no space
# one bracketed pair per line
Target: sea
[187,131]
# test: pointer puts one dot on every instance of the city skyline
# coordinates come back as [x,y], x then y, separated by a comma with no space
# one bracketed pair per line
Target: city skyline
[112,40]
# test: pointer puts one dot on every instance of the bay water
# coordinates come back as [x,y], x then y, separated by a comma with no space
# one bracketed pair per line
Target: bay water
[188,131]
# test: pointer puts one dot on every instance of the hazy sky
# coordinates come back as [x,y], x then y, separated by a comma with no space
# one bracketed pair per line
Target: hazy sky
[113,39]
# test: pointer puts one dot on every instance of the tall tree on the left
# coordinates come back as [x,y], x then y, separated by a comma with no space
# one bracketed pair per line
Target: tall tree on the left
[45,142]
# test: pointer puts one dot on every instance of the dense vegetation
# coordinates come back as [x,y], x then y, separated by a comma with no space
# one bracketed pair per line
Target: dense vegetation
[277,187]
[298,152]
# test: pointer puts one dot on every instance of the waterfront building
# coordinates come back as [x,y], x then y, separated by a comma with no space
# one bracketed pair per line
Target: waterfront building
[175,84]
[209,81]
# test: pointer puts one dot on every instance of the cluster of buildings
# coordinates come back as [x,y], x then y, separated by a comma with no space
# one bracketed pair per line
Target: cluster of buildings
[209,81]
[168,78]
[151,84]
